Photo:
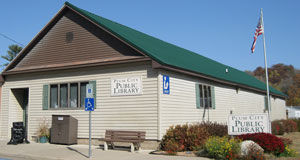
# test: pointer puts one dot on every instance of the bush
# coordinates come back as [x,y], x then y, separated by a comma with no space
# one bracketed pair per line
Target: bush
[215,129]
[281,126]
[277,128]
[289,126]
[222,147]
[298,123]
[269,142]
[184,138]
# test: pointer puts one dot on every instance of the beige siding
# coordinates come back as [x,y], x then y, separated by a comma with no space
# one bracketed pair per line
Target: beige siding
[278,109]
[4,114]
[120,112]
[89,43]
[180,106]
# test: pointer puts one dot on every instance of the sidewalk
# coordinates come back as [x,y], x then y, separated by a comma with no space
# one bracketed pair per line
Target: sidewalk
[48,151]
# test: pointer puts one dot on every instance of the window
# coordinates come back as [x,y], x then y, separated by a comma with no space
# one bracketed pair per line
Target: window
[67,95]
[205,96]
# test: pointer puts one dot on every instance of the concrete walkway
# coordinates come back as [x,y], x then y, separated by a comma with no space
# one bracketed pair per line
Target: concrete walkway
[38,151]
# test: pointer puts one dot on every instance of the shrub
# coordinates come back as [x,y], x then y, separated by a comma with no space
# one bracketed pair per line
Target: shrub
[196,138]
[254,153]
[298,123]
[184,138]
[277,128]
[222,147]
[215,129]
[289,126]
[269,142]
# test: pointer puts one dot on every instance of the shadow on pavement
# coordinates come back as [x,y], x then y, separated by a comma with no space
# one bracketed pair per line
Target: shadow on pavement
[75,150]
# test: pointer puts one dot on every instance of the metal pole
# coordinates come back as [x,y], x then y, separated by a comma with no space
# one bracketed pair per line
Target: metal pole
[90,132]
[266,68]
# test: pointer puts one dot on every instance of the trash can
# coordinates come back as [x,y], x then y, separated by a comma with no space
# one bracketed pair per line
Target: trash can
[64,129]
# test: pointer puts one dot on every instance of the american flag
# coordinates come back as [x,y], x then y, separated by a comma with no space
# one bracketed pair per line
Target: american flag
[259,31]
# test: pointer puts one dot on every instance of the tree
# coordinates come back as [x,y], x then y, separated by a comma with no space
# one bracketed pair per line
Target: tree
[12,52]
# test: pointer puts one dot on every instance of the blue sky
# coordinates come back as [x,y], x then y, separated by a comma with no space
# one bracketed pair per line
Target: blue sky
[220,30]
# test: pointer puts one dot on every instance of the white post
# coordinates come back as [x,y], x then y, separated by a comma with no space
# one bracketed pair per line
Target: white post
[266,68]
[90,132]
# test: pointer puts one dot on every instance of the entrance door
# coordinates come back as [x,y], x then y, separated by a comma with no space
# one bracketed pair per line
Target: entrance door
[21,95]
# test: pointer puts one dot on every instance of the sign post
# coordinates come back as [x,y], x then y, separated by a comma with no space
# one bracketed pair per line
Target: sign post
[89,106]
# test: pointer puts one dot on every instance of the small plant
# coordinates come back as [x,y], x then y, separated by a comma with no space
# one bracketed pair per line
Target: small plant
[269,142]
[288,152]
[222,147]
[43,129]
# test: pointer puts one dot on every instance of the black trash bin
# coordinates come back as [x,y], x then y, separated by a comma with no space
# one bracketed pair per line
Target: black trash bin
[64,129]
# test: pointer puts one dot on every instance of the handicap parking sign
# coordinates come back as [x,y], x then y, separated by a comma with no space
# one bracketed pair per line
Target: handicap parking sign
[89,104]
[166,84]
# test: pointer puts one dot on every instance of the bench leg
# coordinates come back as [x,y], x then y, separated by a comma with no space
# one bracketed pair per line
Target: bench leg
[131,147]
[105,146]
[138,146]
[112,145]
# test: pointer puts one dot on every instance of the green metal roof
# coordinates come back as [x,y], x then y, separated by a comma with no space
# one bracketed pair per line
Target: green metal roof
[169,54]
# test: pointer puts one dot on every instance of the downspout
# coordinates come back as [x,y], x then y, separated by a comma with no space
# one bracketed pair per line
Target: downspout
[158,106]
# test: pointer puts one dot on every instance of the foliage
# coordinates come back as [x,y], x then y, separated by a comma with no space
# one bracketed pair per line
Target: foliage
[286,141]
[269,142]
[43,129]
[12,52]
[288,152]
[277,128]
[290,126]
[215,129]
[284,78]
[222,147]
[298,123]
[254,153]
[184,138]
[281,126]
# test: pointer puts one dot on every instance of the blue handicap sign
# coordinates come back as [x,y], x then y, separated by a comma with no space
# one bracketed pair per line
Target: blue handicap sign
[89,104]
[166,84]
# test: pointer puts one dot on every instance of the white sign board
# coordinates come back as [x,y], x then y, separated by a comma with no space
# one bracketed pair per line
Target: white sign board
[89,91]
[297,114]
[243,124]
[126,86]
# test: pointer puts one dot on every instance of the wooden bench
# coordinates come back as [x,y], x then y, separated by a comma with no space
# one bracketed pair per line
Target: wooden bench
[133,137]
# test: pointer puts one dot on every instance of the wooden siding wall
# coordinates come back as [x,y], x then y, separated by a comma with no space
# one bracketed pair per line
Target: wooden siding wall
[278,109]
[89,43]
[180,106]
[118,112]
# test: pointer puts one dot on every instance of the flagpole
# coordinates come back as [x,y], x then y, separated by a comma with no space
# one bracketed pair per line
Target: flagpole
[266,68]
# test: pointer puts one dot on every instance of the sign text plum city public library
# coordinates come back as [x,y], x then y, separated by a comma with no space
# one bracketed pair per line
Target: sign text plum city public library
[243,124]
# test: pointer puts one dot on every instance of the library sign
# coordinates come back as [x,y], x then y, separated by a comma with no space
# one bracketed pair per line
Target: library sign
[243,124]
[126,86]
